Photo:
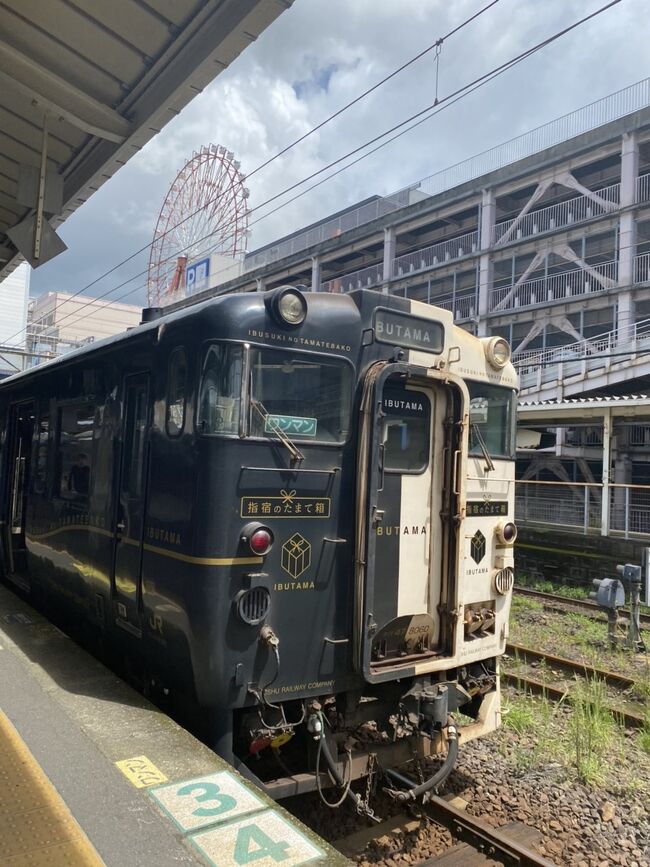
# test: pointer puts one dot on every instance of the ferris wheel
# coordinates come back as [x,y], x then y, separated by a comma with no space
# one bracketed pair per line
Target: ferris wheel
[204,212]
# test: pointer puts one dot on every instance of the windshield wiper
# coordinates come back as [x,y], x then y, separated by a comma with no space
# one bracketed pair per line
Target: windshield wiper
[294,451]
[489,464]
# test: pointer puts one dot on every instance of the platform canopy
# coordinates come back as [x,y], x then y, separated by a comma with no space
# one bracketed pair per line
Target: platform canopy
[84,85]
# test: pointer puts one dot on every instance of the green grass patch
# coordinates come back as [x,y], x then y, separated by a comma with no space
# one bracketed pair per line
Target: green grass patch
[592,730]
[519,715]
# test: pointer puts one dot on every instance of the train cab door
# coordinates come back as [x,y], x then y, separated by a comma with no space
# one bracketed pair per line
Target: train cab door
[131,505]
[20,438]
[404,538]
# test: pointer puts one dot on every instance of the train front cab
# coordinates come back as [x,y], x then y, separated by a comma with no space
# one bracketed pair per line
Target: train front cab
[434,564]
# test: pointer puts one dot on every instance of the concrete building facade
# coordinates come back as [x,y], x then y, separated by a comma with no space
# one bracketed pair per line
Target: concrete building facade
[59,322]
[14,297]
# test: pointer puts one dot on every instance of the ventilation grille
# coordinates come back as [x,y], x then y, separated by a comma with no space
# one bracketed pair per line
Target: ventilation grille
[254,605]
[504,580]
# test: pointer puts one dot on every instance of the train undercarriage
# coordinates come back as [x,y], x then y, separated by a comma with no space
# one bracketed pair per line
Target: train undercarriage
[383,733]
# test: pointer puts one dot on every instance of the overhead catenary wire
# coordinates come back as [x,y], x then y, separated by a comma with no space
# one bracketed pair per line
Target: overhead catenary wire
[419,118]
[302,138]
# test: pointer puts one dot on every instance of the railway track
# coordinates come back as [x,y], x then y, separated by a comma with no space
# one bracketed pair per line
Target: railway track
[480,843]
[613,678]
[566,602]
[540,687]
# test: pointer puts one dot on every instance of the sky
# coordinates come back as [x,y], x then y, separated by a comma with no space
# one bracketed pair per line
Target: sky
[315,58]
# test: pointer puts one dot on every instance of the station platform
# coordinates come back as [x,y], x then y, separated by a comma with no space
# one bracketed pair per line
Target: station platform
[93,774]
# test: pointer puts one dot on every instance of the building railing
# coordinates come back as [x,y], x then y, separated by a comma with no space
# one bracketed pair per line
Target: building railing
[638,435]
[602,111]
[558,216]
[328,230]
[362,279]
[462,306]
[555,287]
[585,436]
[642,268]
[437,254]
[542,367]
[589,347]
[643,188]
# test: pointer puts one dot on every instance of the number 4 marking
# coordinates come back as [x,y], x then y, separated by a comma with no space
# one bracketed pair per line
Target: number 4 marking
[265,847]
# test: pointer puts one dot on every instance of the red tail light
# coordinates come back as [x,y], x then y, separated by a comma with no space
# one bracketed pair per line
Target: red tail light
[261,541]
[257,537]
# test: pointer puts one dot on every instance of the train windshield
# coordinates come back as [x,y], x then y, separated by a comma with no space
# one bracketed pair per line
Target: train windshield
[492,419]
[304,397]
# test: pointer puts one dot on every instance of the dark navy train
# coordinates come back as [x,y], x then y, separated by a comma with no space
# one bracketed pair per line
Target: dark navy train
[290,511]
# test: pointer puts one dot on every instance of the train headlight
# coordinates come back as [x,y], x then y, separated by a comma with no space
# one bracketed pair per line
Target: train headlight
[497,351]
[288,305]
[506,533]
[258,538]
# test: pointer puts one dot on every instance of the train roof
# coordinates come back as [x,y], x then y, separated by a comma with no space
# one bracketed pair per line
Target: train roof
[145,328]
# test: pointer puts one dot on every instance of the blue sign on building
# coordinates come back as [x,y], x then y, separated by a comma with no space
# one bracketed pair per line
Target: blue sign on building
[196,276]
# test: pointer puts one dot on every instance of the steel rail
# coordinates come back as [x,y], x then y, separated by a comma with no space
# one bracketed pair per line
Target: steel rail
[539,687]
[582,668]
[489,841]
[586,604]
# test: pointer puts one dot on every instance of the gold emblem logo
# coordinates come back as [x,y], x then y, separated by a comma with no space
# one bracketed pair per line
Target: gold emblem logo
[296,555]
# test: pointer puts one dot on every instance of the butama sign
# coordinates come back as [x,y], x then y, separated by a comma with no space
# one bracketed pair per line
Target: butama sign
[412,332]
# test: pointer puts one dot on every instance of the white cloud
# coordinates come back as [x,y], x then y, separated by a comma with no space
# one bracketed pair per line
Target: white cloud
[322,53]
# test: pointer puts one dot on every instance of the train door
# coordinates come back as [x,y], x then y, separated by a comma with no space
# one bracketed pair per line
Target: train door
[131,504]
[405,539]
[21,426]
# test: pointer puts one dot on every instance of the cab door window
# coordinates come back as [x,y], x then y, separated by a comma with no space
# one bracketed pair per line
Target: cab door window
[406,434]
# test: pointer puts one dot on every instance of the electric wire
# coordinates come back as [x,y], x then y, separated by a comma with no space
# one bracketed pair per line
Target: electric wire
[429,111]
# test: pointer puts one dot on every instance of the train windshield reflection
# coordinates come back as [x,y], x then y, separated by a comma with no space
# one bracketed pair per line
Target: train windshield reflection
[302,396]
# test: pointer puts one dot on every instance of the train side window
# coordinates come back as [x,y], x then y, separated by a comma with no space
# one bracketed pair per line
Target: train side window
[219,399]
[42,438]
[407,439]
[75,448]
[176,392]
[135,437]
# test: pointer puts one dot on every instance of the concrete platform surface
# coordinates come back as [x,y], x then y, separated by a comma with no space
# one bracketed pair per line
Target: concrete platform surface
[142,790]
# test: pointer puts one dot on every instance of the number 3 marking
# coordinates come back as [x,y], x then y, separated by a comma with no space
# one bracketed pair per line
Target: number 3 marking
[209,792]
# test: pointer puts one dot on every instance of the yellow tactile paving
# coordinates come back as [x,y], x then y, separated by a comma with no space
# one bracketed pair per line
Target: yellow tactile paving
[36,827]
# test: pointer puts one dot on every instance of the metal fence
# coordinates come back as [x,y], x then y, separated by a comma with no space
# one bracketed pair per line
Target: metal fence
[556,287]
[578,506]
[575,210]
[573,505]
[437,254]
[629,510]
